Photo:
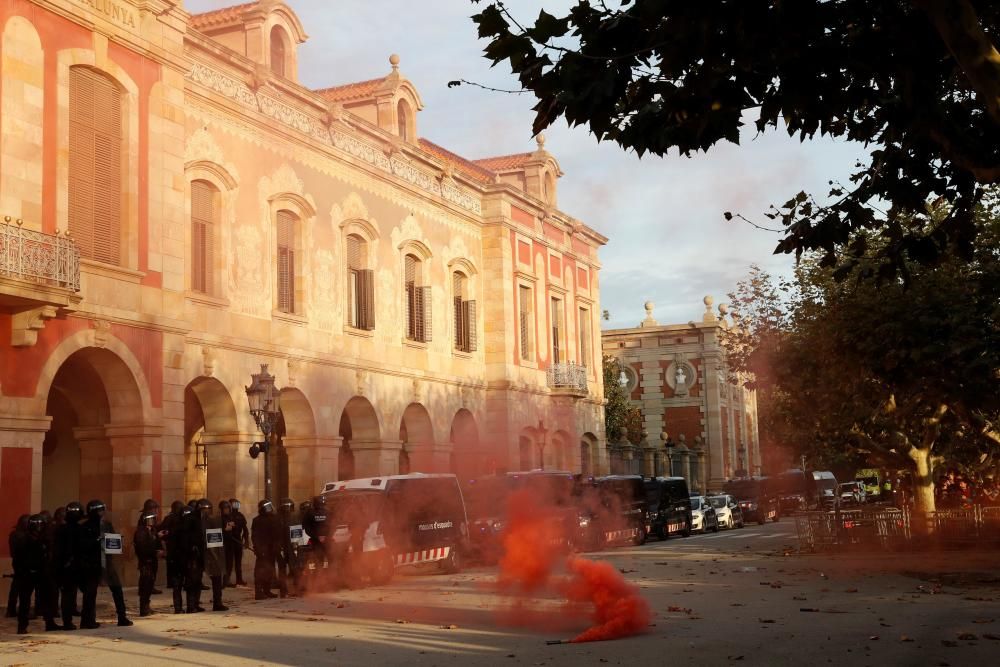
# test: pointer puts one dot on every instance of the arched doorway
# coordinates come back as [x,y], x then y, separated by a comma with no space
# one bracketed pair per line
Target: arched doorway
[293,463]
[588,454]
[559,456]
[210,447]
[526,449]
[361,434]
[94,397]
[467,458]
[417,435]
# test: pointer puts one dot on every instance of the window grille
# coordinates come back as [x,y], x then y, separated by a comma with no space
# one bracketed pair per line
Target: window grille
[204,214]
[286,262]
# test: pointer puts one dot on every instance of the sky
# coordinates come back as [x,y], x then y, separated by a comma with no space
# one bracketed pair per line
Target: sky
[668,240]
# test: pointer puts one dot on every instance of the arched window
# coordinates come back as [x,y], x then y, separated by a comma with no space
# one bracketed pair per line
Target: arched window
[464,312]
[403,120]
[549,188]
[205,200]
[287,236]
[418,300]
[96,144]
[278,51]
[360,285]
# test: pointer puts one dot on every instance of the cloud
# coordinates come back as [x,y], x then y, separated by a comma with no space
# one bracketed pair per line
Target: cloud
[663,216]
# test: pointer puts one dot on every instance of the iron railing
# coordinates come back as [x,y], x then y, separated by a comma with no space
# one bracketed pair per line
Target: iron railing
[50,259]
[567,375]
[894,529]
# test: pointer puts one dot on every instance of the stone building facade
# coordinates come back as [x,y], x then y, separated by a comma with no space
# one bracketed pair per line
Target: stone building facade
[182,210]
[697,423]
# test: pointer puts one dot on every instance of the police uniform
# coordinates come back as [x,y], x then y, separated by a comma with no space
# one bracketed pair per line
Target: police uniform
[147,548]
[214,559]
[29,558]
[265,531]
[237,538]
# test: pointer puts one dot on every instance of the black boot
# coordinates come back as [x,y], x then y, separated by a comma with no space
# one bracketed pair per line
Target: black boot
[119,598]
[178,601]
[217,595]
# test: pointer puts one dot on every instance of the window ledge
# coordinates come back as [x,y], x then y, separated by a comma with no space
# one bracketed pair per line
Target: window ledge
[415,344]
[206,299]
[360,333]
[462,354]
[111,271]
[289,317]
[524,363]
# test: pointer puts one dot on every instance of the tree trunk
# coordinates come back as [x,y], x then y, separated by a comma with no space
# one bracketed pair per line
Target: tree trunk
[923,488]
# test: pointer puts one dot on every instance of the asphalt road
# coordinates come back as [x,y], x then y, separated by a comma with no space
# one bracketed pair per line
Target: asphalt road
[741,596]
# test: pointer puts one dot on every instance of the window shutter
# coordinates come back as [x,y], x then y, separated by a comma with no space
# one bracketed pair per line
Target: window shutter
[355,252]
[424,316]
[523,306]
[556,331]
[95,165]
[286,262]
[459,326]
[204,212]
[469,325]
[584,337]
[277,52]
[366,299]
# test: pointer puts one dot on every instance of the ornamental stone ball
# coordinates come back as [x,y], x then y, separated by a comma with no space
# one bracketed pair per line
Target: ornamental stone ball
[723,309]
[540,140]
[394,60]
[708,301]
[649,305]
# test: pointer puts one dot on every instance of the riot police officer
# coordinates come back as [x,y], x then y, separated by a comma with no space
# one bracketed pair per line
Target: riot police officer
[214,556]
[287,559]
[193,543]
[171,533]
[20,531]
[148,549]
[29,558]
[92,551]
[238,539]
[265,531]
[152,507]
[67,564]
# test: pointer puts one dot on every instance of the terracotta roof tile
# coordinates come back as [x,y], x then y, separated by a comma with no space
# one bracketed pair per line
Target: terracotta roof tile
[351,91]
[222,16]
[467,167]
[504,162]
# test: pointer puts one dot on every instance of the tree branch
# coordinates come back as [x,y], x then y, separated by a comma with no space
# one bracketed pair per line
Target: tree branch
[961,31]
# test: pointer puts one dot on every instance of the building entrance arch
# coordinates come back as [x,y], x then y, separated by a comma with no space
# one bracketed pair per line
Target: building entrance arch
[97,409]
[211,437]
[361,452]
[467,458]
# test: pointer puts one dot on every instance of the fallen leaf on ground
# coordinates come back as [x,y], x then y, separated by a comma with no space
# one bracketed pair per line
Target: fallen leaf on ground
[851,590]
[873,638]
[401,621]
[766,620]
[949,643]
[232,627]
[982,620]
[904,638]
[450,626]
[798,597]
[987,635]
[967,636]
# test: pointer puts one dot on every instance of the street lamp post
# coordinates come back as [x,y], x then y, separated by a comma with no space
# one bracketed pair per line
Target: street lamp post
[668,445]
[742,454]
[265,407]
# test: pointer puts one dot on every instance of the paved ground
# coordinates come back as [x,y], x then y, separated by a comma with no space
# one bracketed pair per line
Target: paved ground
[735,597]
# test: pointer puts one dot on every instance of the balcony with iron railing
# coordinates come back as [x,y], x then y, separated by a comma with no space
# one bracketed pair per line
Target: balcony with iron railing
[568,377]
[39,277]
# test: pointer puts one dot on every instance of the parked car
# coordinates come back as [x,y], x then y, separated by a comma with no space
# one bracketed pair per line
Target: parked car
[486,507]
[756,498]
[668,507]
[825,490]
[852,493]
[703,516]
[727,510]
[793,490]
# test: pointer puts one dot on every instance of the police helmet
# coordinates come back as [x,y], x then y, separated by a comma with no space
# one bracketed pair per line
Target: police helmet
[176,507]
[235,504]
[95,506]
[205,506]
[265,507]
[305,506]
[319,503]
[186,511]
[74,511]
[46,517]
[193,503]
[224,506]
[36,524]
[150,505]
[148,519]
[287,505]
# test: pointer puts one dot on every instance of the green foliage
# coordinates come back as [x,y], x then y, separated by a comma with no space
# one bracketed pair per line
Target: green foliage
[918,81]
[894,375]
[617,407]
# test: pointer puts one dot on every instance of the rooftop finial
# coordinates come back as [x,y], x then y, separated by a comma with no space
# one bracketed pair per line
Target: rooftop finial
[709,316]
[394,61]
[540,140]
[649,321]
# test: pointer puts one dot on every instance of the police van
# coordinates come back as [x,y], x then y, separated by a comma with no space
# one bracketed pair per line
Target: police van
[398,521]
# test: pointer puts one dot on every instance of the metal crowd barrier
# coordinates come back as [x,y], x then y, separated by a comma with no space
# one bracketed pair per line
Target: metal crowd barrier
[893,529]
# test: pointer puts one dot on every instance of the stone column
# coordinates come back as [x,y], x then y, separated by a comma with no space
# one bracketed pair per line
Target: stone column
[231,471]
[131,469]
[376,457]
[312,462]
[649,461]
[95,463]
[435,457]
[26,433]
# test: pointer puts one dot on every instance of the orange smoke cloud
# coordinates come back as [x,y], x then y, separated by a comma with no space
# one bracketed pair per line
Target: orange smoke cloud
[619,608]
[536,546]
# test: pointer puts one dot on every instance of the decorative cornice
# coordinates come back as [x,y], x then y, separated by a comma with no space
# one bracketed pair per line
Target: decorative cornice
[320,129]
